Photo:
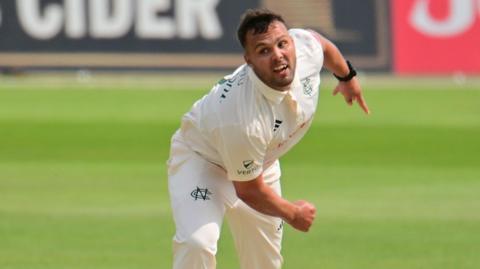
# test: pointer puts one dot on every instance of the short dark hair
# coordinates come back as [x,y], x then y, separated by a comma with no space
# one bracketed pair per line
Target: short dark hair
[258,20]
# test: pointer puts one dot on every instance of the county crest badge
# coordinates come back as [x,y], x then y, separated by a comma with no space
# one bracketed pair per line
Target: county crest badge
[307,86]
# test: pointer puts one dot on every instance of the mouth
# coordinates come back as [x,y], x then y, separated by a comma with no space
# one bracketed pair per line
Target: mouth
[280,68]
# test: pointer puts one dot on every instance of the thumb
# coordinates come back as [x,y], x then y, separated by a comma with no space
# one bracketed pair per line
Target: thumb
[300,202]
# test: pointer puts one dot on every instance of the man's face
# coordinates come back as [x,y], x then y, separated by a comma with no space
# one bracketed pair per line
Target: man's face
[272,56]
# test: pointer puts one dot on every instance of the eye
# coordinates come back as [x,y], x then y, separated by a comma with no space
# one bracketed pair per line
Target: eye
[263,51]
[282,44]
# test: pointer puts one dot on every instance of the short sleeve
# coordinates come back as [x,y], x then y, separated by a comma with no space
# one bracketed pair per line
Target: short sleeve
[308,45]
[242,151]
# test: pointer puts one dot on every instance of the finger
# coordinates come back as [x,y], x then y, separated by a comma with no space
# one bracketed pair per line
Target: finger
[349,100]
[363,104]
[336,90]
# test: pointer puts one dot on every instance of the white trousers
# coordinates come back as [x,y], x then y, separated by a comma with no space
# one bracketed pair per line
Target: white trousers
[201,196]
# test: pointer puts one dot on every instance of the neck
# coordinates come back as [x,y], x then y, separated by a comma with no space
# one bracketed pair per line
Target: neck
[276,88]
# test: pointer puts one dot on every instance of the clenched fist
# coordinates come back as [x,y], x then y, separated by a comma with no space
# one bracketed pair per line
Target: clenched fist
[304,216]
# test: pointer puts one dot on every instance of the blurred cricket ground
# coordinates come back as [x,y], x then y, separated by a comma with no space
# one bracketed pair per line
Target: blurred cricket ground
[83,180]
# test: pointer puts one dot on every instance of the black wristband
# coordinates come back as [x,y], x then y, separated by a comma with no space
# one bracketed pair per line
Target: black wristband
[351,73]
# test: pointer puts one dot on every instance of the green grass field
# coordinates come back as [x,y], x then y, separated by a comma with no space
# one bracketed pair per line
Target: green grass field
[83,181]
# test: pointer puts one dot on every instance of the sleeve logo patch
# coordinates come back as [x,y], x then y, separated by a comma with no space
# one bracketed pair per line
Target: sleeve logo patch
[248,164]
[250,168]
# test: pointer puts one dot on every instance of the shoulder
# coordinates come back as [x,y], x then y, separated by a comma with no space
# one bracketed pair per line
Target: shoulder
[229,92]
[237,102]
[308,48]
[306,40]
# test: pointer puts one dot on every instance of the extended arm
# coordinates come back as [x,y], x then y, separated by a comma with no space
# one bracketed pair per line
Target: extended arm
[335,62]
[263,198]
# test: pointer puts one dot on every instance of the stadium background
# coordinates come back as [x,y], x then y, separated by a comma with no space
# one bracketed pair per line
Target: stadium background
[91,91]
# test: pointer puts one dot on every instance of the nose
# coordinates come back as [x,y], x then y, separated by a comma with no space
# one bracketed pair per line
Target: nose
[277,54]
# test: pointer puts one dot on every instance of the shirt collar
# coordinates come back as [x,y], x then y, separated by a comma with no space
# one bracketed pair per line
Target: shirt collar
[269,93]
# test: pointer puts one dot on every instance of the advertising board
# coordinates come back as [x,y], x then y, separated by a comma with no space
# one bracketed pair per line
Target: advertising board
[436,36]
[174,33]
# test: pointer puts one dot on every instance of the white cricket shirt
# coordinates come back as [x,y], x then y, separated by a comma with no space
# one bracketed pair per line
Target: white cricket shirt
[244,126]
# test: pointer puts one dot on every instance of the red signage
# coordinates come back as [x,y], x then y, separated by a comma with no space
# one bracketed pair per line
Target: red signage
[436,36]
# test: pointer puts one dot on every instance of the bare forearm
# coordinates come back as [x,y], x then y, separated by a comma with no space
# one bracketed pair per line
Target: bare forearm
[334,60]
[266,201]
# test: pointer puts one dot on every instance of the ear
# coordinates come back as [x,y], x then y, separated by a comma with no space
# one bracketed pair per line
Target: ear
[245,57]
